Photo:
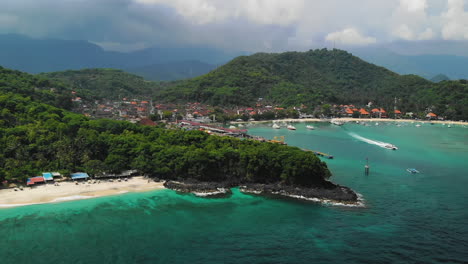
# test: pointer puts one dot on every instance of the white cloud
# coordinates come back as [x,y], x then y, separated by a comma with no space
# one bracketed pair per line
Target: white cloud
[413,5]
[455,21]
[350,36]
[426,34]
[276,12]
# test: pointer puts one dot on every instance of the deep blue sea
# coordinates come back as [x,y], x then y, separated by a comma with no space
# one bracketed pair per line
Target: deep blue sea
[407,218]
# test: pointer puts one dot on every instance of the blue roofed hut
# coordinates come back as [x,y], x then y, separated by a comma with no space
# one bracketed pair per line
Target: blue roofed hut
[48,176]
[79,176]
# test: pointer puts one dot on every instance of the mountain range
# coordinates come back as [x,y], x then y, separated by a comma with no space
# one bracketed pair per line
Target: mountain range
[167,63]
[156,63]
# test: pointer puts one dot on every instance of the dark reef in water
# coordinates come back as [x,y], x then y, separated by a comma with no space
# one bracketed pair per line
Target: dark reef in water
[327,191]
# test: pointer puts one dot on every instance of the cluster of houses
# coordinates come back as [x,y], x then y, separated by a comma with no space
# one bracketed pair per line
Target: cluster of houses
[52,176]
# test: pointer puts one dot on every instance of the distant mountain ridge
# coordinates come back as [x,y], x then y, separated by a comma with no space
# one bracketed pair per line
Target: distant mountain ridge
[50,55]
[427,66]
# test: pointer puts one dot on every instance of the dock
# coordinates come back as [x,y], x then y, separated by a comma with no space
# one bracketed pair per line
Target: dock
[320,154]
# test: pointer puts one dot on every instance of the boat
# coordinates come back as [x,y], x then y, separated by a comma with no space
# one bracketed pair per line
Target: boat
[310,127]
[241,125]
[291,127]
[449,126]
[418,125]
[275,126]
[335,122]
[232,127]
[412,170]
[390,146]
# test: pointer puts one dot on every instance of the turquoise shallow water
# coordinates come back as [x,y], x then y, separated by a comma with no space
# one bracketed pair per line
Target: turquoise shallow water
[421,218]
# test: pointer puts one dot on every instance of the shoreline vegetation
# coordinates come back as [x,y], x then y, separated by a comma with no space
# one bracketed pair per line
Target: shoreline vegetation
[350,119]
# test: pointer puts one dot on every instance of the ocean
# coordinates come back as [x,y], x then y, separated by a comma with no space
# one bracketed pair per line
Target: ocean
[407,218]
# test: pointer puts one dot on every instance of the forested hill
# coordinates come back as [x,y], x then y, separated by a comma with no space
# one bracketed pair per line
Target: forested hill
[36,87]
[37,137]
[317,77]
[294,78]
[106,83]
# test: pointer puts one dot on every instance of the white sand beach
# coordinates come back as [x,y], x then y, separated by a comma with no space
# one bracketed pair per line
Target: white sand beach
[49,193]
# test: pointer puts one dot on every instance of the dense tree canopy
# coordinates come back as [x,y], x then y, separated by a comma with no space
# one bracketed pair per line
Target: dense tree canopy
[37,137]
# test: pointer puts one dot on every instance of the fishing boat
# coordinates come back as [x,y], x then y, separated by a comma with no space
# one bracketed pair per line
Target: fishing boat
[291,127]
[275,126]
[412,170]
[390,146]
[310,127]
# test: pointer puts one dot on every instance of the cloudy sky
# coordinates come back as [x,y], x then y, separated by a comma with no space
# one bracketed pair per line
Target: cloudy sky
[249,25]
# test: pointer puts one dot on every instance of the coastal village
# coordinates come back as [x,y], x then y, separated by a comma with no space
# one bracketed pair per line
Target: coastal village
[146,111]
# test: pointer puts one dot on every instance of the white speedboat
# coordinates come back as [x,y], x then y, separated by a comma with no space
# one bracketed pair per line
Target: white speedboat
[336,122]
[275,126]
[391,146]
[291,127]
[418,125]
[310,127]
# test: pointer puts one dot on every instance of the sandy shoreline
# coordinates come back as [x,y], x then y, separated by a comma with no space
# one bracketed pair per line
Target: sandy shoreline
[349,119]
[69,191]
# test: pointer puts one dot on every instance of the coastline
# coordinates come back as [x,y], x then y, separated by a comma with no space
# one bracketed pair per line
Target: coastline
[350,119]
[328,194]
[68,191]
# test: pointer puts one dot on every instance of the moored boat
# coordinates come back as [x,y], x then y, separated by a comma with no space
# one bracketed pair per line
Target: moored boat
[275,126]
[291,127]
[310,127]
[336,122]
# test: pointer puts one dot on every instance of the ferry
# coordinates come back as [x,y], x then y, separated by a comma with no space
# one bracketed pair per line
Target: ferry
[412,170]
[310,127]
[390,146]
[275,126]
[291,127]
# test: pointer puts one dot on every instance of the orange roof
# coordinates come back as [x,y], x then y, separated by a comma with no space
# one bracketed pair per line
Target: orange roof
[397,112]
[375,110]
[349,111]
[432,114]
[144,102]
[382,110]
[252,113]
[363,111]
[133,103]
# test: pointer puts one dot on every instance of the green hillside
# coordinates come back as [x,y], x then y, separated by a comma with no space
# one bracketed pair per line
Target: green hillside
[37,137]
[105,83]
[314,78]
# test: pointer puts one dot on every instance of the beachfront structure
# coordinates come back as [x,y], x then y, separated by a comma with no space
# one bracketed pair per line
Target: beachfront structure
[79,176]
[431,116]
[35,180]
[56,174]
[127,173]
[47,176]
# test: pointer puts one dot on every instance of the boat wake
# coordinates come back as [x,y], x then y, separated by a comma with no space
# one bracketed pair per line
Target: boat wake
[373,142]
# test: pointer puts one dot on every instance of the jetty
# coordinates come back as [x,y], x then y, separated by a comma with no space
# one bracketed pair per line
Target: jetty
[320,154]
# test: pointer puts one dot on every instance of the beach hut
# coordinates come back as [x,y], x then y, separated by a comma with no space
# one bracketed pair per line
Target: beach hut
[79,176]
[47,176]
[431,116]
[35,180]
